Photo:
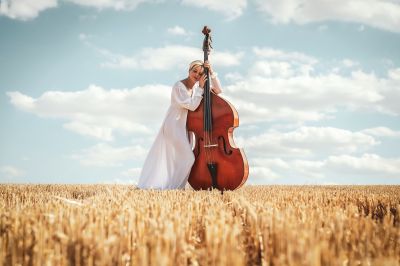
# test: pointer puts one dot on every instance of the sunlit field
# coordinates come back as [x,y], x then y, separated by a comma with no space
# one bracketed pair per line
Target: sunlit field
[255,225]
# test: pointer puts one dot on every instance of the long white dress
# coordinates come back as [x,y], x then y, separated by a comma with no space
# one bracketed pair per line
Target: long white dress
[170,158]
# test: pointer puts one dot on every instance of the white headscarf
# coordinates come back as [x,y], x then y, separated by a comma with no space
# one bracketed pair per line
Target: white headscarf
[195,63]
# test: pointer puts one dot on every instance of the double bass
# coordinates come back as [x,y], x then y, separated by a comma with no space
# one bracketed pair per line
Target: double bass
[219,164]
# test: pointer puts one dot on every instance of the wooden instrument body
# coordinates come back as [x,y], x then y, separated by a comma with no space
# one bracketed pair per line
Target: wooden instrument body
[219,147]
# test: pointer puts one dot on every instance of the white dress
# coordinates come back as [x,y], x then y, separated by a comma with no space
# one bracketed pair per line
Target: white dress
[170,158]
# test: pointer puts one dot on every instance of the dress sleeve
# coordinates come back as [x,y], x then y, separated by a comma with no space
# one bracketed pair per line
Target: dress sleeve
[215,85]
[183,99]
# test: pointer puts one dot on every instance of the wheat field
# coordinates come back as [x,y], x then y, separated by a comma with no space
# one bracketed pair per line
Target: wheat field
[254,225]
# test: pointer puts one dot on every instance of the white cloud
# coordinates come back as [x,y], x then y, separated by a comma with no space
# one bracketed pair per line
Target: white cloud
[308,141]
[291,57]
[262,97]
[99,113]
[164,57]
[276,170]
[89,129]
[23,101]
[394,74]
[9,172]
[318,154]
[232,10]
[288,87]
[132,172]
[105,155]
[345,168]
[262,174]
[391,92]
[349,63]
[120,181]
[24,10]
[368,165]
[271,69]
[113,4]
[381,132]
[383,14]
[177,30]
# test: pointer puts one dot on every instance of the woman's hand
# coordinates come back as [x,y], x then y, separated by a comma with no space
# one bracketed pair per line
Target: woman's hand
[208,65]
[202,81]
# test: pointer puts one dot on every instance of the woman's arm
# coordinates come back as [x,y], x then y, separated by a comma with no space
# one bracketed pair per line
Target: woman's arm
[215,84]
[183,99]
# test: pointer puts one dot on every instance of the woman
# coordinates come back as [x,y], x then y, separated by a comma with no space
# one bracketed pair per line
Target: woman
[170,158]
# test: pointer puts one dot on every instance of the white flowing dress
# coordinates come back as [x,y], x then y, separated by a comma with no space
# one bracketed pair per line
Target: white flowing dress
[170,158]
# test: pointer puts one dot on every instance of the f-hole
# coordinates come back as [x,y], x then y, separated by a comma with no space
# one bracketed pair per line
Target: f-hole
[194,143]
[222,139]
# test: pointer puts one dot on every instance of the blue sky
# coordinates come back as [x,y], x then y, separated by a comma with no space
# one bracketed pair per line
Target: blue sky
[84,86]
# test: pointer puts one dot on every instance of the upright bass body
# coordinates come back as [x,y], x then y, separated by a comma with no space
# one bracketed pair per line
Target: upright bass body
[229,168]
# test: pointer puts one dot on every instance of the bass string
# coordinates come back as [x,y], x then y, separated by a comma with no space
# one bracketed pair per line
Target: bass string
[210,119]
[211,137]
[208,122]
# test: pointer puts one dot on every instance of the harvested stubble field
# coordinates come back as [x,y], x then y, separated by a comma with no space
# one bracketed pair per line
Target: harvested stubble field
[255,225]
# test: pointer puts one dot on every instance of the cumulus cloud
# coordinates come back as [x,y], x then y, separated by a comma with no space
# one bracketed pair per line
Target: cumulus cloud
[99,113]
[263,174]
[160,58]
[345,168]
[120,181]
[105,155]
[384,14]
[301,97]
[291,57]
[164,57]
[349,63]
[289,87]
[8,172]
[117,5]
[177,30]
[267,170]
[382,132]
[390,89]
[132,172]
[308,141]
[232,10]
[367,164]
[319,155]
[25,10]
